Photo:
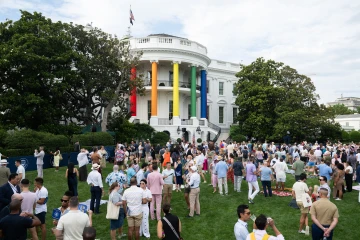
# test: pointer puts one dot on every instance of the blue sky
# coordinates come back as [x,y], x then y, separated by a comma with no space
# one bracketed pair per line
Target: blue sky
[317,37]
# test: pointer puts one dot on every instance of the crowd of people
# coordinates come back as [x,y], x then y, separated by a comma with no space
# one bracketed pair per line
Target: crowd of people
[144,178]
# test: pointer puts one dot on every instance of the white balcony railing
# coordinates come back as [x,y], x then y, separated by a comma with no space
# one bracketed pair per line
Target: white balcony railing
[167,42]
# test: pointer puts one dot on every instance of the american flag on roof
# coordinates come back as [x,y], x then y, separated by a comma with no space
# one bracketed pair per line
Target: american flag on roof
[131,17]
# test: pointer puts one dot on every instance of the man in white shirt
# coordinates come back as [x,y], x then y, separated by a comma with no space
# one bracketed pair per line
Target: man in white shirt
[73,223]
[199,159]
[168,175]
[133,199]
[41,206]
[230,149]
[194,183]
[96,187]
[280,169]
[39,160]
[241,227]
[20,170]
[140,174]
[260,224]
[299,189]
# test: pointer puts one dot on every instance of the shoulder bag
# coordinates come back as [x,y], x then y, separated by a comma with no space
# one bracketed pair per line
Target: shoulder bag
[60,156]
[112,212]
[172,228]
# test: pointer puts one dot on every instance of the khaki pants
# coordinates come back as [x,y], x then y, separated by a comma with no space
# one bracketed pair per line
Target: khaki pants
[194,201]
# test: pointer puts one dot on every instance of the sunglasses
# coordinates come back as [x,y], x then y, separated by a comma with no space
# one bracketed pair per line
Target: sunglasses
[63,200]
[321,179]
[248,213]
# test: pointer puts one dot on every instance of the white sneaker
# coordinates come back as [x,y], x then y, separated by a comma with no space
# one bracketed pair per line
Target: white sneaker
[302,231]
[307,230]
[337,199]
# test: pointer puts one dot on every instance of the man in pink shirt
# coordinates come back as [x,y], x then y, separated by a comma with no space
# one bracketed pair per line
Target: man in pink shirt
[155,182]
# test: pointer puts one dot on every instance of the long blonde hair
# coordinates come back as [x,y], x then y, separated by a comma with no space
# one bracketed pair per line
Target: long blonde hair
[316,187]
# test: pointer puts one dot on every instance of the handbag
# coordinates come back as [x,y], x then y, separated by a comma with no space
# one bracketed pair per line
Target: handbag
[306,200]
[60,156]
[172,228]
[112,211]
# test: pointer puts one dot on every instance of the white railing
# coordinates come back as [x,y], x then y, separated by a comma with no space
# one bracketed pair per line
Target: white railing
[167,42]
[143,40]
[184,42]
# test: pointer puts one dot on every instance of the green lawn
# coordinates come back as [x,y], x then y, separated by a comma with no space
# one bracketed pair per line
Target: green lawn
[218,213]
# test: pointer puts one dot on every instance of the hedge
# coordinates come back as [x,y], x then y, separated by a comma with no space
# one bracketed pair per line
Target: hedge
[160,138]
[23,139]
[93,139]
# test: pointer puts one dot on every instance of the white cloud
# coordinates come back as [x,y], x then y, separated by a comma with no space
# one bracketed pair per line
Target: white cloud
[313,36]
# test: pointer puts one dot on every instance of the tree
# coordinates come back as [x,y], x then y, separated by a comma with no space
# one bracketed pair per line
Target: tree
[34,54]
[274,99]
[102,80]
[341,109]
[53,72]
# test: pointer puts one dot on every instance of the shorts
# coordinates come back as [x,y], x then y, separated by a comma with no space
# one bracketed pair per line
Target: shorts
[41,217]
[302,208]
[279,179]
[134,221]
[311,164]
[167,188]
[199,168]
[187,190]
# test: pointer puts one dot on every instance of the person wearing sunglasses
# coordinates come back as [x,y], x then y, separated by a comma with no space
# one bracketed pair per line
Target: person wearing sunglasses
[64,208]
[323,184]
[241,227]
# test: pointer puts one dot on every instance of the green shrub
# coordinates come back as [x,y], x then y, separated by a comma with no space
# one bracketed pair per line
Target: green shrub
[199,140]
[20,139]
[160,138]
[345,136]
[238,138]
[354,136]
[178,140]
[3,135]
[93,139]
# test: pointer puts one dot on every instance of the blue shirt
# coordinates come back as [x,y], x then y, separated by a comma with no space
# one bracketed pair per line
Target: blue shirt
[130,173]
[266,174]
[221,169]
[324,170]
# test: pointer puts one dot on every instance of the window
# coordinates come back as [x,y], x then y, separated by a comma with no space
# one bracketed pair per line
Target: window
[149,75]
[170,109]
[221,114]
[207,112]
[234,87]
[207,86]
[221,88]
[234,115]
[189,111]
[149,109]
[171,78]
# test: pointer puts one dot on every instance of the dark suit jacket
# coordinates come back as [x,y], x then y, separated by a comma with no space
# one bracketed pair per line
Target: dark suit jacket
[5,194]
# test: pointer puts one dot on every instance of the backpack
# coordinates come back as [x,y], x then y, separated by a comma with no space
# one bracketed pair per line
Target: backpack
[245,153]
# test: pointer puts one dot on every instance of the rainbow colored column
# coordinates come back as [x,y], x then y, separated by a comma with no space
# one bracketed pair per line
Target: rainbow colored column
[154,89]
[176,90]
[193,91]
[203,94]
[133,93]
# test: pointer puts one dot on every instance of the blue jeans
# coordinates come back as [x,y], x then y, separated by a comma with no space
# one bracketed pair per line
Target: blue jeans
[318,234]
[95,194]
[267,184]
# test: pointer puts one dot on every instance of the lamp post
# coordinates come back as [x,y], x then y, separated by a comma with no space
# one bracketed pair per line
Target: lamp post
[178,130]
[198,130]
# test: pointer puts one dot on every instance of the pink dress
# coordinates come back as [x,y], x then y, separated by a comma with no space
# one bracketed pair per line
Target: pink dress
[205,164]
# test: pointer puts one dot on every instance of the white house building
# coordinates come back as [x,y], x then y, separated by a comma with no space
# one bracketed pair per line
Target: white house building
[350,102]
[349,122]
[187,94]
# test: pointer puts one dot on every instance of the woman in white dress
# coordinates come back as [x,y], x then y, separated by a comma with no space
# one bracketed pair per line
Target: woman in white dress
[144,228]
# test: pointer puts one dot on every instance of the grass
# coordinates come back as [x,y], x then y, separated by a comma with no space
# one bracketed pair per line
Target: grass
[218,213]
